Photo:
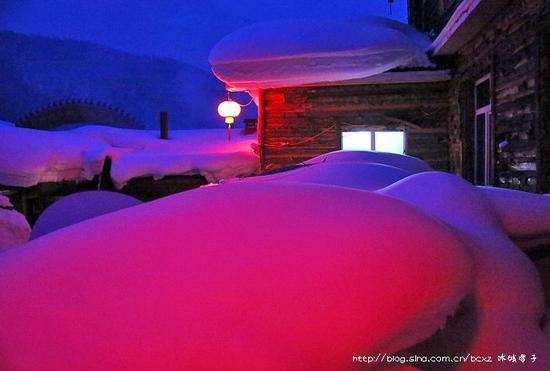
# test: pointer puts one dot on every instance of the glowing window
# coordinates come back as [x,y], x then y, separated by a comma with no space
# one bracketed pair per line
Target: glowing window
[357,141]
[381,141]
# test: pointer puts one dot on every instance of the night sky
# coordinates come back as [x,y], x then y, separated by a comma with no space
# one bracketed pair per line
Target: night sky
[184,30]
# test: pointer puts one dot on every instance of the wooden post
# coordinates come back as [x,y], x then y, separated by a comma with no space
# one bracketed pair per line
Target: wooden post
[261,128]
[164,125]
[105,182]
[542,92]
[539,129]
[493,122]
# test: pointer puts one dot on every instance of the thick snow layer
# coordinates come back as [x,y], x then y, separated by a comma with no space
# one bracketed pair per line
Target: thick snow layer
[5,202]
[14,228]
[214,167]
[364,170]
[361,175]
[79,154]
[407,163]
[521,214]
[316,274]
[504,311]
[422,40]
[78,207]
[28,157]
[168,284]
[188,141]
[297,52]
[524,216]
[204,152]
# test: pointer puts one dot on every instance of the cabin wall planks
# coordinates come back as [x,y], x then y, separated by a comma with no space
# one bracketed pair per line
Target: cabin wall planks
[302,122]
[508,48]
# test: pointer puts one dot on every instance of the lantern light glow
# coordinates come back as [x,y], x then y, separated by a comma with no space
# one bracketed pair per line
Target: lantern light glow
[229,109]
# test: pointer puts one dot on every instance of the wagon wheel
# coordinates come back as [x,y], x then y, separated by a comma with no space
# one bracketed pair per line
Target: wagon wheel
[74,111]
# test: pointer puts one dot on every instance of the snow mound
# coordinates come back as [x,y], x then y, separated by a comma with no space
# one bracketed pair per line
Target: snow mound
[359,175]
[29,157]
[79,154]
[504,311]
[140,153]
[521,214]
[78,207]
[307,289]
[363,170]
[407,163]
[298,52]
[373,258]
[214,167]
[14,228]
[5,202]
[189,141]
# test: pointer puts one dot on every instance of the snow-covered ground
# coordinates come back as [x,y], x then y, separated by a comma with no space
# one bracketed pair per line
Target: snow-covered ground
[28,157]
[352,254]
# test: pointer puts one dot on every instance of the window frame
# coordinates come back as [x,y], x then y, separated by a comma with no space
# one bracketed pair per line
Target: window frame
[487,112]
[372,132]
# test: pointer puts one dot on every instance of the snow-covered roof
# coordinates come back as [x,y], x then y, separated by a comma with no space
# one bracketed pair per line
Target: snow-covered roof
[29,157]
[300,52]
[396,77]
[467,19]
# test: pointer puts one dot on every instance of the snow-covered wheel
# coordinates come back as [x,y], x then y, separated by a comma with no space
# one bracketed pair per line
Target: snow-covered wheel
[72,112]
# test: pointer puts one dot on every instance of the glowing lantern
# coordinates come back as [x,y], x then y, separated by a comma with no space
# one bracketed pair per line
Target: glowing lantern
[229,109]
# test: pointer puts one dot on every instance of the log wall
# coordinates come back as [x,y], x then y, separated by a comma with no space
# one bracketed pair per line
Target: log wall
[544,108]
[296,124]
[509,48]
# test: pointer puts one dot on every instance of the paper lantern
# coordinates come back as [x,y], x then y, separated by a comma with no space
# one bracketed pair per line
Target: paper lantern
[229,109]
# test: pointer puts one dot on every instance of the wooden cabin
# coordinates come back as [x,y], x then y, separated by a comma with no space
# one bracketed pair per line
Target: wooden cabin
[500,90]
[298,123]
[484,113]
